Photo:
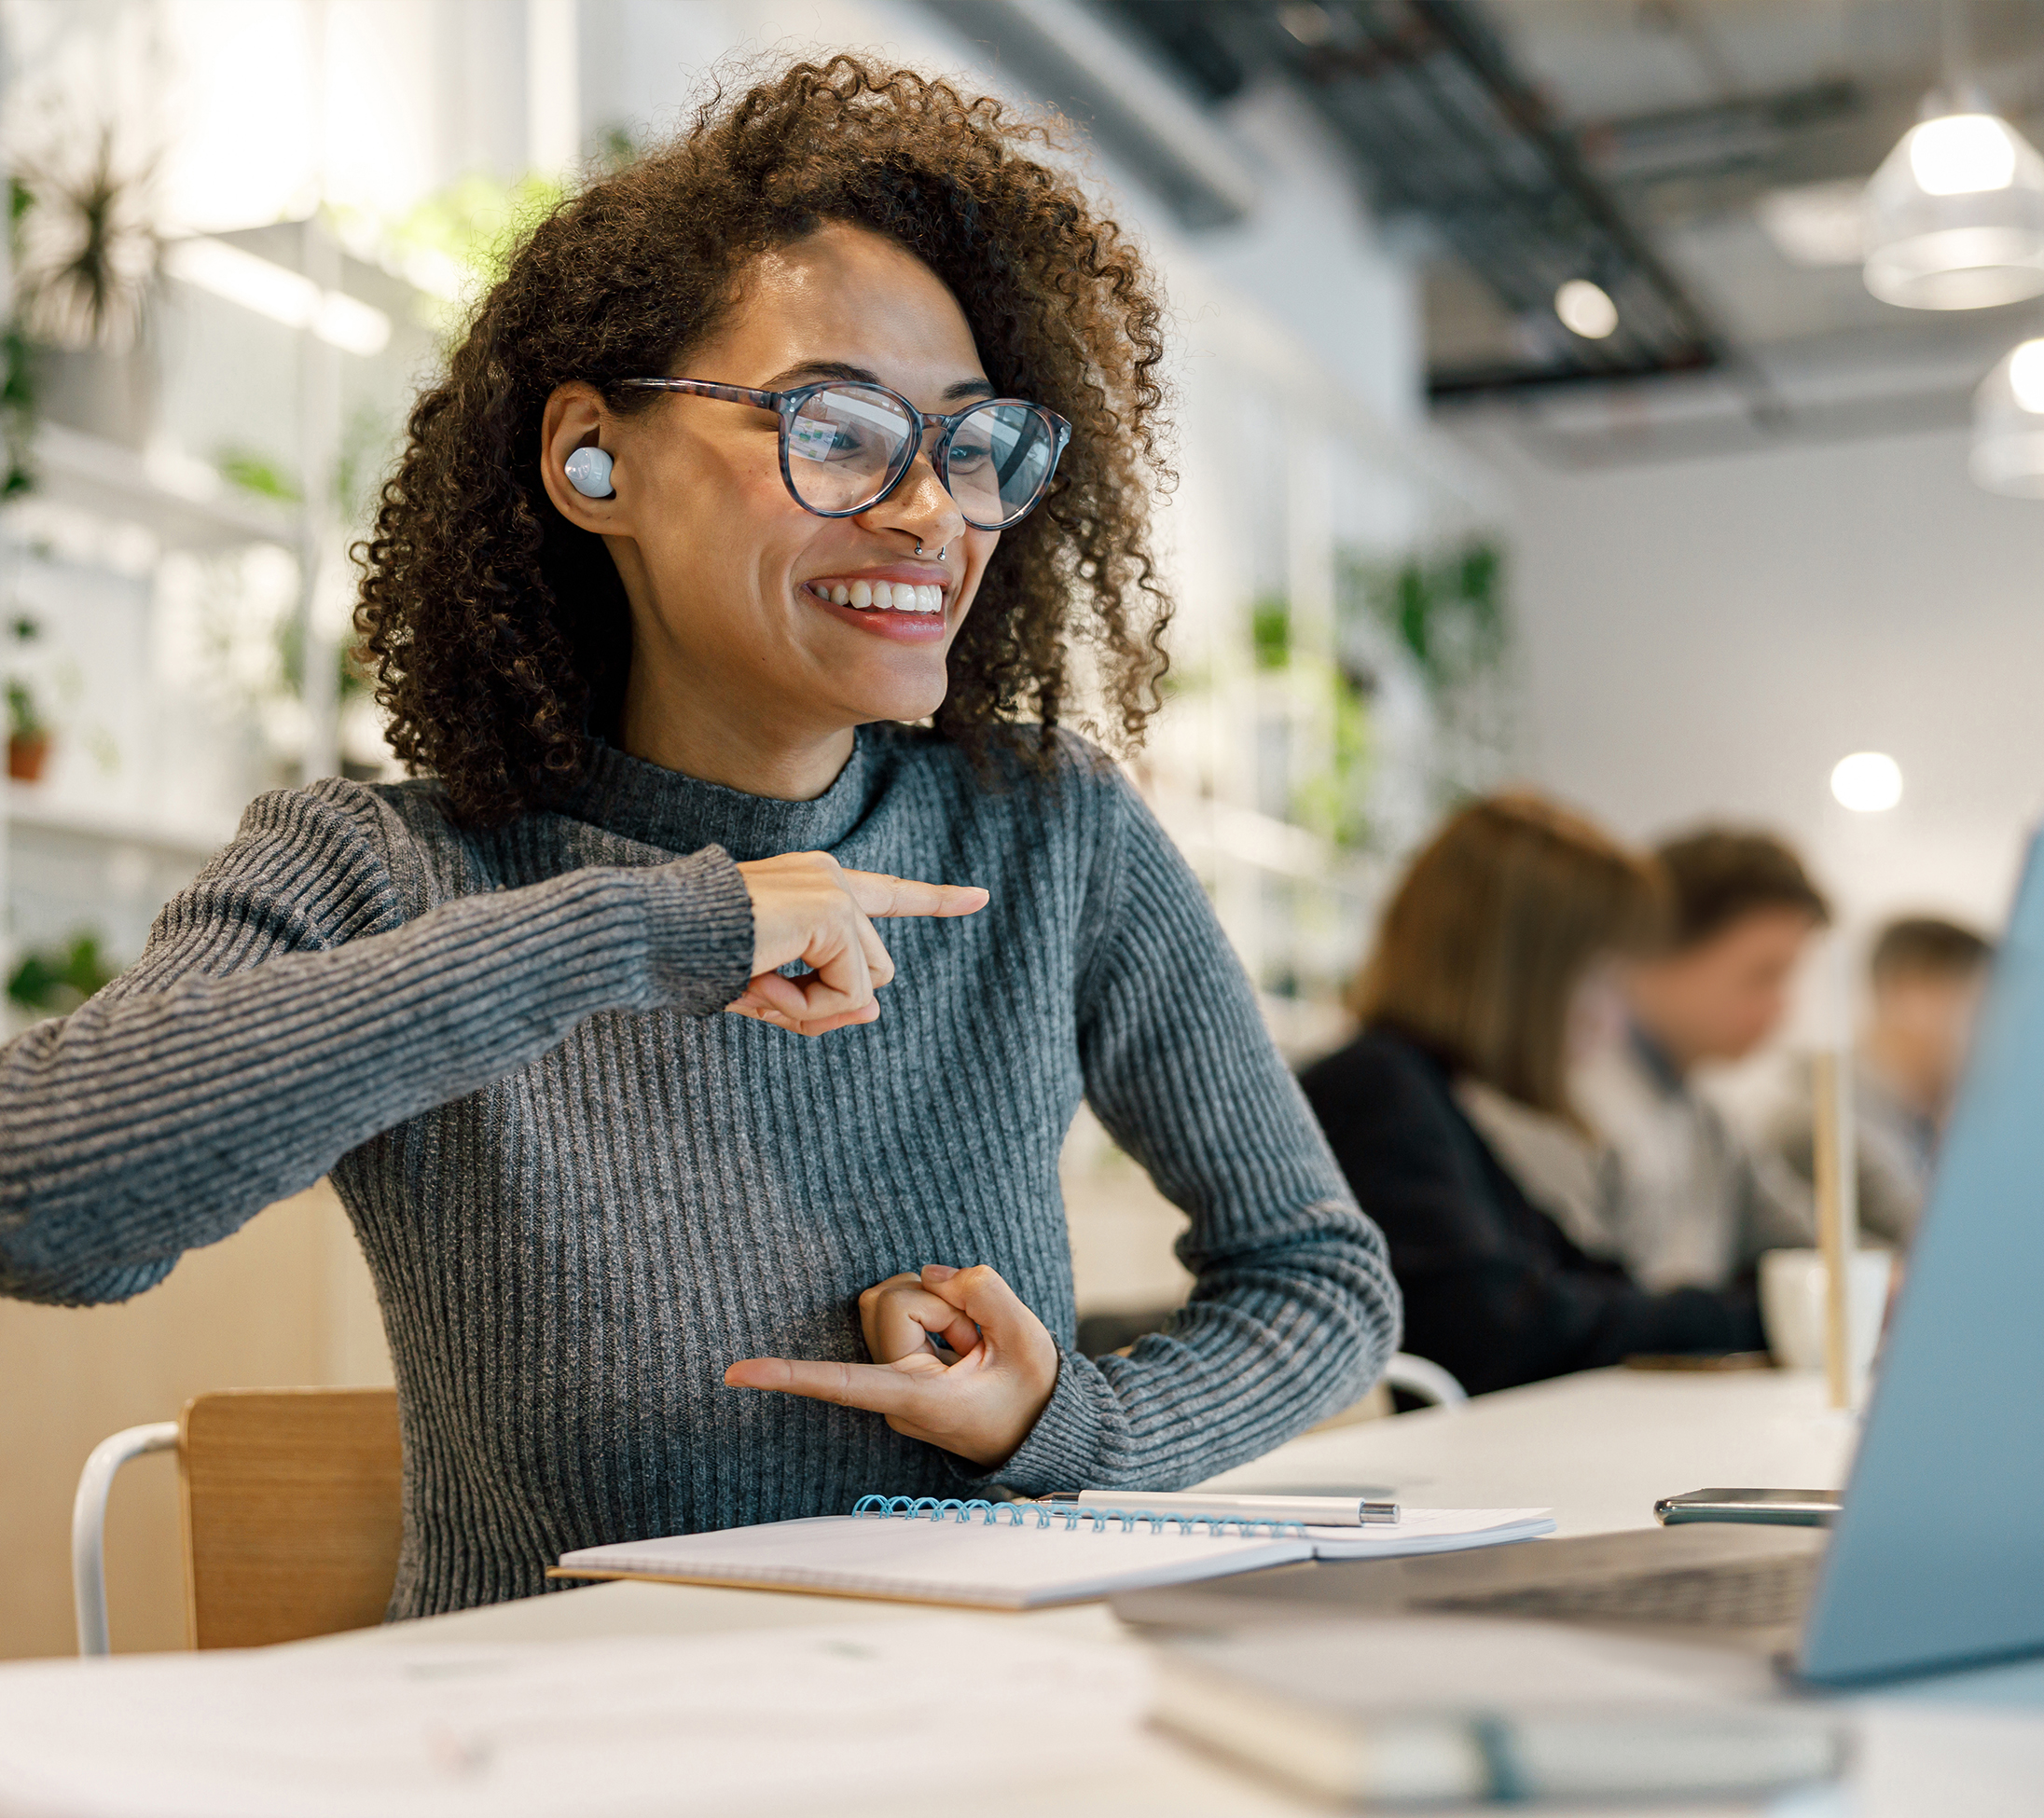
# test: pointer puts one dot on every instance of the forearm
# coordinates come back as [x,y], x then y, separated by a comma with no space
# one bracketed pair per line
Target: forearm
[1683,1319]
[1272,1341]
[1295,1310]
[154,1121]
[1495,1328]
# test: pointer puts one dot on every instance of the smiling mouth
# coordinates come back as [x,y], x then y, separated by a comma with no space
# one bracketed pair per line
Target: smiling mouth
[879,596]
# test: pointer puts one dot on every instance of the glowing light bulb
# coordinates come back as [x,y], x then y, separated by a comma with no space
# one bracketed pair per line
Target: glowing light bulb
[1867,782]
[2027,376]
[1954,216]
[1586,310]
[2007,454]
[1961,154]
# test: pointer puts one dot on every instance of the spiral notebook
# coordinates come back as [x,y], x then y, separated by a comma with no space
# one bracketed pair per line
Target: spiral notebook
[1013,1556]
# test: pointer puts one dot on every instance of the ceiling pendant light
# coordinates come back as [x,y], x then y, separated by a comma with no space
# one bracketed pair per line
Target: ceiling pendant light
[1956,214]
[1586,310]
[2009,424]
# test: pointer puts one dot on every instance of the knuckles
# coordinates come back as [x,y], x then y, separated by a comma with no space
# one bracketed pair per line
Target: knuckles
[872,1297]
[979,1275]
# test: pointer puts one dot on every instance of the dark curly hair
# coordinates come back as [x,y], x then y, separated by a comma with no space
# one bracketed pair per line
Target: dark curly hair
[499,633]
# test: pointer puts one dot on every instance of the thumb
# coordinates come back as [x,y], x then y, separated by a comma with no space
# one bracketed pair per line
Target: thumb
[962,1334]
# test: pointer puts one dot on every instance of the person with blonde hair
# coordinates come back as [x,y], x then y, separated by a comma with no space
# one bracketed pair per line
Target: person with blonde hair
[1490,961]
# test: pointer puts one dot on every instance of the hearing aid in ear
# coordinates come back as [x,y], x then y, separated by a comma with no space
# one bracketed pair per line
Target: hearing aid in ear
[588,472]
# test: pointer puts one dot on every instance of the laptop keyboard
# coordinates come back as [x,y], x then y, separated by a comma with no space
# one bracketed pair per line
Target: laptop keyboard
[1736,1594]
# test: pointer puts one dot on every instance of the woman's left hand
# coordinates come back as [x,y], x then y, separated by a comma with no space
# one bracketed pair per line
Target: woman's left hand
[981,1405]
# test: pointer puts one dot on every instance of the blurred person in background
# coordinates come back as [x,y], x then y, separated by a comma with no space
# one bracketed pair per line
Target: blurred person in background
[1492,962]
[1689,1203]
[1926,975]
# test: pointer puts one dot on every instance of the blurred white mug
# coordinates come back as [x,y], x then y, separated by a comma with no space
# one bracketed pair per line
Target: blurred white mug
[1793,1285]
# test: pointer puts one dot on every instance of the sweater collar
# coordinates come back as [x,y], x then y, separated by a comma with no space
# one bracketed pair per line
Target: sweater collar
[678,813]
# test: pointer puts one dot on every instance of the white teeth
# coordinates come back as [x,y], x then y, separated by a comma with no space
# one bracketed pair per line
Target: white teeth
[881,596]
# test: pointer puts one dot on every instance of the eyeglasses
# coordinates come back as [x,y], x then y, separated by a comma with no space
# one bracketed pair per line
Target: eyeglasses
[846,445]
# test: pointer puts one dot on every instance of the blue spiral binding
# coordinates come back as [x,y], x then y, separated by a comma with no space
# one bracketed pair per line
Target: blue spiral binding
[1016,1514]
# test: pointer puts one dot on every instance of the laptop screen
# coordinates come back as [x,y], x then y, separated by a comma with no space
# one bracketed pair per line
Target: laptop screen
[1938,1558]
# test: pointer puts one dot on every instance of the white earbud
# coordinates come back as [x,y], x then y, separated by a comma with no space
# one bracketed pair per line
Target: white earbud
[588,472]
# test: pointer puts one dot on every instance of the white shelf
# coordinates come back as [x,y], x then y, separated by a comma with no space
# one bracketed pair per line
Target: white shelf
[183,502]
[31,808]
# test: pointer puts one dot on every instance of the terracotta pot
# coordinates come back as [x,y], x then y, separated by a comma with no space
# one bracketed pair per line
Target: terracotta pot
[27,752]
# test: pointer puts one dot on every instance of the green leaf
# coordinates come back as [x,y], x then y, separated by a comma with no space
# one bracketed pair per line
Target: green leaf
[1270,632]
[58,979]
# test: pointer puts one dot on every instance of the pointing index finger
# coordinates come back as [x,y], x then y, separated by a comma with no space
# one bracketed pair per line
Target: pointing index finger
[880,1388]
[878,894]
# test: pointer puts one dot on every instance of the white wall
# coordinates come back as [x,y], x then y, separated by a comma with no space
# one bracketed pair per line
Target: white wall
[1707,638]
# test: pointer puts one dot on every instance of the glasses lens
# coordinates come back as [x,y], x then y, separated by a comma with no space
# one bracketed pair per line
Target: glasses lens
[844,446]
[1001,461]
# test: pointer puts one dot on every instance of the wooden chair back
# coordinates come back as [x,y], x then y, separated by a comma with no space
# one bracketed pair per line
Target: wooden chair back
[291,1501]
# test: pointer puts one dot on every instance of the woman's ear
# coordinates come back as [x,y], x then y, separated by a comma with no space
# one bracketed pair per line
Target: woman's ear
[575,420]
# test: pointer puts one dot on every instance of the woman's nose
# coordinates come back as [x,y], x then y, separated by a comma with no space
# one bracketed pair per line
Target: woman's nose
[923,506]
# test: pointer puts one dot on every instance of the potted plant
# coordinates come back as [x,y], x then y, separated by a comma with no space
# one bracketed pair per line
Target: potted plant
[28,733]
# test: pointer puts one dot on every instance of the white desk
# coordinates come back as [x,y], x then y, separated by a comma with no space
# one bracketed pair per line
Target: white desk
[1597,1448]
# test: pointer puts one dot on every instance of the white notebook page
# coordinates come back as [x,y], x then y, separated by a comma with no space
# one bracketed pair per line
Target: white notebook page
[1433,1531]
[994,1567]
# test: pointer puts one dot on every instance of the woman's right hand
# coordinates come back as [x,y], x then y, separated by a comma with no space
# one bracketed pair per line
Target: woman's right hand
[807,906]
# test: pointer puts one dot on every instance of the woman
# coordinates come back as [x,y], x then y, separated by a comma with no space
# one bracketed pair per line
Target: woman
[1488,960]
[704,509]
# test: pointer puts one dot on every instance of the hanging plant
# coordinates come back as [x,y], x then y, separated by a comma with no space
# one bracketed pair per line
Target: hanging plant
[1447,611]
[89,243]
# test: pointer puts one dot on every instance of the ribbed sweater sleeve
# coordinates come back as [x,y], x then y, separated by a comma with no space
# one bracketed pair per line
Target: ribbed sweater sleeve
[1295,1310]
[287,1010]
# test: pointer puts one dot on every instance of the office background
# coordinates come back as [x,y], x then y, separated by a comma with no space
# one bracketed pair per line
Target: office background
[1425,538]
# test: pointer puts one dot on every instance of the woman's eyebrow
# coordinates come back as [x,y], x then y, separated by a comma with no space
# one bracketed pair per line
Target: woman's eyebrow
[808,371]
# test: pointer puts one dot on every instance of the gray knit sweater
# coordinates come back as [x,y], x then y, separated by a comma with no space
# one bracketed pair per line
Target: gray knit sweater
[582,1192]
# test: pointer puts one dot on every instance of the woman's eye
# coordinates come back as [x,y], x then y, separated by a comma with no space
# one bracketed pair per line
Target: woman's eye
[968,459]
[819,439]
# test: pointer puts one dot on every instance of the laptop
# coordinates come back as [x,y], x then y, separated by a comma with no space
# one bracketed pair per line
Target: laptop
[1936,1558]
